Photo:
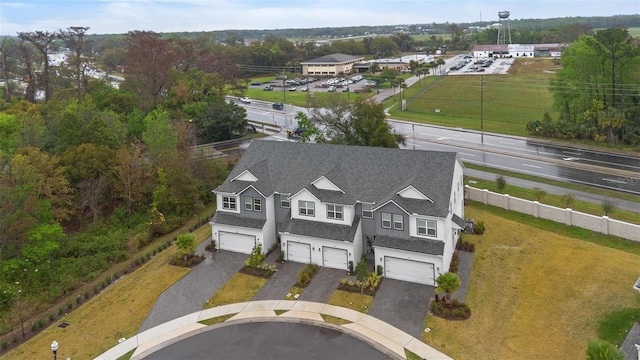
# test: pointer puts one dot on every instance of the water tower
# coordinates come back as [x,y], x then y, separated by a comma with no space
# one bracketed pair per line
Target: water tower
[503,18]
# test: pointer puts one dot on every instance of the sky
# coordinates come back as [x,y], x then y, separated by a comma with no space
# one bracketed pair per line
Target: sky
[122,16]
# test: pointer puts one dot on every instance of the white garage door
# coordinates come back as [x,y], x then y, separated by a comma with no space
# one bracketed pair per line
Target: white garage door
[237,242]
[298,252]
[334,258]
[409,270]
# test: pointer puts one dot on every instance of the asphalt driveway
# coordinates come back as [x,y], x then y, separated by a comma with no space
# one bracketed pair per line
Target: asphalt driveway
[194,289]
[402,304]
[323,284]
[280,283]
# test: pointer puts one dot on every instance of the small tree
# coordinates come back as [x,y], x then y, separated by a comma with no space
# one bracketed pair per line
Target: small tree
[602,350]
[361,273]
[186,244]
[448,283]
[255,259]
[539,193]
[608,206]
[567,200]
[501,183]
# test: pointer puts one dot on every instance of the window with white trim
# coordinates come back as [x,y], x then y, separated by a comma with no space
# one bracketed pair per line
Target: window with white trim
[367,211]
[285,202]
[335,212]
[397,222]
[306,208]
[229,202]
[386,221]
[252,203]
[427,227]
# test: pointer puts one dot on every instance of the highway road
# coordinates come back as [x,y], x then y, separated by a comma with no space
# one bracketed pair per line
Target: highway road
[607,170]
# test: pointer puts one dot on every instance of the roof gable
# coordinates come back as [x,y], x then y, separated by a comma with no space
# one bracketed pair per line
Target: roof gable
[323,183]
[411,192]
[245,176]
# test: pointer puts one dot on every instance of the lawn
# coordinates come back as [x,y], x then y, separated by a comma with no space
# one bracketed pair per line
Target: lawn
[118,312]
[535,293]
[239,288]
[508,101]
[353,301]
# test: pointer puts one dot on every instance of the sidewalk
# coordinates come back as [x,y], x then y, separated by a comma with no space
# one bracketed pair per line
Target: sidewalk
[376,333]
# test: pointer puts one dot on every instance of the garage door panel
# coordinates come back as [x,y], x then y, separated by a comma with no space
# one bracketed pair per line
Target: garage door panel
[298,252]
[241,243]
[334,258]
[409,270]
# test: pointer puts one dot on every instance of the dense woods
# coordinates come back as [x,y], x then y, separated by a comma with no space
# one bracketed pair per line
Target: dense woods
[89,172]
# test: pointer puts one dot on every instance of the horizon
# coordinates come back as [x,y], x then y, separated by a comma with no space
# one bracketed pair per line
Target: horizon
[106,17]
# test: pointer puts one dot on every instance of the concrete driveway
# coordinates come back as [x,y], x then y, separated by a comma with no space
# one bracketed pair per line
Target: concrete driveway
[280,283]
[194,289]
[402,304]
[323,284]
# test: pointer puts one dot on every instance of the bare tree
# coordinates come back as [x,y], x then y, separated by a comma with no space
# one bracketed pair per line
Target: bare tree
[74,37]
[42,40]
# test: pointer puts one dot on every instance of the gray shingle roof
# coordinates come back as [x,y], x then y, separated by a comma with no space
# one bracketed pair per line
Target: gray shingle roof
[367,174]
[425,246]
[226,218]
[337,58]
[322,230]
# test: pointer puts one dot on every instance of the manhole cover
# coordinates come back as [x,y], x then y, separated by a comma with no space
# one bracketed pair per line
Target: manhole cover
[63,325]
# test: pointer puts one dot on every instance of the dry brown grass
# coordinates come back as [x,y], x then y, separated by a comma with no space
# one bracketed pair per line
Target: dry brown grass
[351,301]
[534,294]
[118,312]
[240,288]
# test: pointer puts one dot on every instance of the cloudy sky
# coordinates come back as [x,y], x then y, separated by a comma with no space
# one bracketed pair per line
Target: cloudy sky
[121,16]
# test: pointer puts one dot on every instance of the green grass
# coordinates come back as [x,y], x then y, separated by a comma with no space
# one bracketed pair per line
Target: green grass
[609,241]
[615,326]
[280,312]
[353,301]
[128,355]
[239,288]
[294,291]
[335,320]
[298,98]
[504,110]
[411,355]
[216,320]
[556,200]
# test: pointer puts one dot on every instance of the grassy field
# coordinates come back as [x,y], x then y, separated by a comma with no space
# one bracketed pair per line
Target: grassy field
[535,293]
[239,288]
[508,101]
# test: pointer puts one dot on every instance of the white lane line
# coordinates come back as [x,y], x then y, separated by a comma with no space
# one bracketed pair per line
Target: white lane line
[533,166]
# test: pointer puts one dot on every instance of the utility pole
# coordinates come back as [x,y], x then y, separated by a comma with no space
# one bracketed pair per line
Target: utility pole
[482,108]
[413,128]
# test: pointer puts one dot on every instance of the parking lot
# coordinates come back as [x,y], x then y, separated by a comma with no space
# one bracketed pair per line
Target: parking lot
[351,83]
[465,64]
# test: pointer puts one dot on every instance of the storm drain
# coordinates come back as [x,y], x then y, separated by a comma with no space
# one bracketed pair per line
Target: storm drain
[63,324]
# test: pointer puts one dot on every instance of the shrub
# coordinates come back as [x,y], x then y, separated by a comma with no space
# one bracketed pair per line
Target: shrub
[4,345]
[501,183]
[479,228]
[69,305]
[379,270]
[60,311]
[51,317]
[86,294]
[78,300]
[350,266]
[41,323]
[96,290]
[280,257]
[455,262]
[186,245]
[465,246]
[306,275]
[451,311]
[256,258]
[34,327]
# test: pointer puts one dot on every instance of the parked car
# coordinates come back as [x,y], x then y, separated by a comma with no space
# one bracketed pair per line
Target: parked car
[278,106]
[256,83]
[306,88]
[268,88]
[293,88]
[331,89]
[245,100]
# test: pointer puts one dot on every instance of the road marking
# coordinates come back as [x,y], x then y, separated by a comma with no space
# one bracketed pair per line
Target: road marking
[533,166]
[442,138]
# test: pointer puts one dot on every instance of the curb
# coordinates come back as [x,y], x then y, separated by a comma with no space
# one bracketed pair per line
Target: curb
[378,334]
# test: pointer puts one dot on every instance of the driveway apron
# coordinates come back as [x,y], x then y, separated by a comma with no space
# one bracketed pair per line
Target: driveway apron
[323,284]
[195,288]
[402,304]
[280,283]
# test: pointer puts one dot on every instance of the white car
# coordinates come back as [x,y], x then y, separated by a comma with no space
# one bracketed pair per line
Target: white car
[245,100]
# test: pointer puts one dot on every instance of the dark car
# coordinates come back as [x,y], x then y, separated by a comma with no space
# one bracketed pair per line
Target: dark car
[277,106]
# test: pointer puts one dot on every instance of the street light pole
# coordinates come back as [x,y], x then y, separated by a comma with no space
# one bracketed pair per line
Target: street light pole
[481,108]
[54,349]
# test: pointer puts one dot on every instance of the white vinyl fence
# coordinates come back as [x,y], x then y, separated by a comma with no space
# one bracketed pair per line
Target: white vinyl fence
[600,224]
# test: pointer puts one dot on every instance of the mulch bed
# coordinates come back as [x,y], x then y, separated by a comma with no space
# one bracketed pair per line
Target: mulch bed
[263,273]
